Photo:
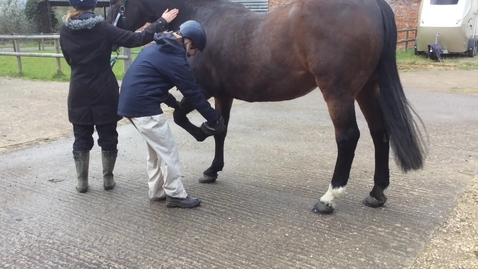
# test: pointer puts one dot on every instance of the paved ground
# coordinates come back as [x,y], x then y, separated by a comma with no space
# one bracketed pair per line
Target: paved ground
[279,159]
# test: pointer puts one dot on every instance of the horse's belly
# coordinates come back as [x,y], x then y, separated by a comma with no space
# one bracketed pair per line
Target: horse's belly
[275,89]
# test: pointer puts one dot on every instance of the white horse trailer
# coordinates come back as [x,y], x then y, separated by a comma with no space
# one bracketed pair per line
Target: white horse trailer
[452,24]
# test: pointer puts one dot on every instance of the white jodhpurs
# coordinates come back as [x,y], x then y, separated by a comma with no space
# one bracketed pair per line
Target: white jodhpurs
[164,167]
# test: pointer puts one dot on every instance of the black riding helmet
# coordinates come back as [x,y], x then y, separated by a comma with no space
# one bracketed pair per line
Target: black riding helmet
[194,31]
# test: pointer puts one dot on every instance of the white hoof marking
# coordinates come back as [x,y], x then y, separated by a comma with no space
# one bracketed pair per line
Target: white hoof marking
[332,193]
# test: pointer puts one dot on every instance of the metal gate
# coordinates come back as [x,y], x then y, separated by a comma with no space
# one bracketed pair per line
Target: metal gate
[259,6]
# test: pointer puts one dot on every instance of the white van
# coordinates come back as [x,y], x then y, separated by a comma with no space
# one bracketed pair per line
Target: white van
[452,24]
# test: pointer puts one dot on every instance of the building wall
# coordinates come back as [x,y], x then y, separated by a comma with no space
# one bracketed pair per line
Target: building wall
[406,12]
[406,17]
[274,4]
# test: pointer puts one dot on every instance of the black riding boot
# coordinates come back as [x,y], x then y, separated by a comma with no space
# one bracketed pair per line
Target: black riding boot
[82,161]
[188,202]
[109,159]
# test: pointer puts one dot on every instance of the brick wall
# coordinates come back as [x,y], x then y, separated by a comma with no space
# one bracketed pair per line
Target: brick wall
[406,13]
[274,4]
[406,16]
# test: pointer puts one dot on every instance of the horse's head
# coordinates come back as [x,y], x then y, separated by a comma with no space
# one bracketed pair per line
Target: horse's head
[128,15]
[132,14]
[124,14]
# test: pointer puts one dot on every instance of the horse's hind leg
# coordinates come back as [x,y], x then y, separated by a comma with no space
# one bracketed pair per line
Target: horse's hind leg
[368,101]
[342,112]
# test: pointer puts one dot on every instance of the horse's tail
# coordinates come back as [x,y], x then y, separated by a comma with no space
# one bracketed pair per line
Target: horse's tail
[405,137]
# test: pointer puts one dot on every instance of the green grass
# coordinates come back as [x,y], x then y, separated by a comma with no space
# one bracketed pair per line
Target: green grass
[408,61]
[46,69]
[9,45]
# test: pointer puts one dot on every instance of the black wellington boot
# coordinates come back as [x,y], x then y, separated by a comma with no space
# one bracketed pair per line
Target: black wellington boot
[108,159]
[82,161]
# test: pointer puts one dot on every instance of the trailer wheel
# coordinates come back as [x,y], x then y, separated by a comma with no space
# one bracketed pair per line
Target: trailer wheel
[472,48]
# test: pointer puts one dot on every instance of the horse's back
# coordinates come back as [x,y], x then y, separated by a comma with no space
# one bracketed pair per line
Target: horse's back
[278,56]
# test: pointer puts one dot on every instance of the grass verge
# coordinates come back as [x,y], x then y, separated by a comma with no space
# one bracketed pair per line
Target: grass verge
[46,68]
[408,61]
[37,68]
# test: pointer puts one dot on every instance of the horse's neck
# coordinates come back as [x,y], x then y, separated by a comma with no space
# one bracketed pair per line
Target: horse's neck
[187,8]
[200,10]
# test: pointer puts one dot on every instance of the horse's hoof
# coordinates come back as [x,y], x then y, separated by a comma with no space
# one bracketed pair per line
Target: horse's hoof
[201,137]
[81,189]
[207,179]
[323,208]
[372,202]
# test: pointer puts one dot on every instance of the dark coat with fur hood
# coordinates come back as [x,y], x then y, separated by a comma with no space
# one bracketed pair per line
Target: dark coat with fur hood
[86,43]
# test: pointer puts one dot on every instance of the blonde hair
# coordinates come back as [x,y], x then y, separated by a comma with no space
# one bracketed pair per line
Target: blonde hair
[73,14]
[187,42]
[178,36]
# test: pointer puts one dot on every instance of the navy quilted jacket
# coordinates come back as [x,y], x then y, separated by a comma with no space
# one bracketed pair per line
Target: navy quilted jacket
[157,69]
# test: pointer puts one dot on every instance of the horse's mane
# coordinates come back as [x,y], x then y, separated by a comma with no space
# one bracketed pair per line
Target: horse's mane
[200,10]
[212,4]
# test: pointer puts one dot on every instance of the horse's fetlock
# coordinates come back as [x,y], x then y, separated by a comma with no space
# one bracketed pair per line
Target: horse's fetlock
[211,171]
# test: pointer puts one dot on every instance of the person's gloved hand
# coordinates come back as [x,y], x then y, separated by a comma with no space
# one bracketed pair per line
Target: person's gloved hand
[214,127]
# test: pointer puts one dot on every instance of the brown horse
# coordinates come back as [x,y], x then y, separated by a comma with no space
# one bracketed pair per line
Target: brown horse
[346,48]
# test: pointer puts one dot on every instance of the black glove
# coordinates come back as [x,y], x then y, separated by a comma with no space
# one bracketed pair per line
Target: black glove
[214,128]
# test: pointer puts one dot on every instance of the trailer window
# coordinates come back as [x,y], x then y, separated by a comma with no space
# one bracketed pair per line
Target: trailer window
[443,2]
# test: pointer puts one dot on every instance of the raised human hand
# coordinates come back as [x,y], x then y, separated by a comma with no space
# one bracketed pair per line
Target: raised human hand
[170,15]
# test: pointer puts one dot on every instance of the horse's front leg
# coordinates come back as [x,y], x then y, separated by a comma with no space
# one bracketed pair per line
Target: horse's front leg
[223,105]
[181,119]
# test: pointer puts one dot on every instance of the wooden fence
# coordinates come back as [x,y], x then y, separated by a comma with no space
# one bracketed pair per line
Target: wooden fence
[410,36]
[126,57]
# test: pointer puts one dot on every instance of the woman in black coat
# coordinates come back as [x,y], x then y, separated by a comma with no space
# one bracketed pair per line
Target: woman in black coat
[86,41]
